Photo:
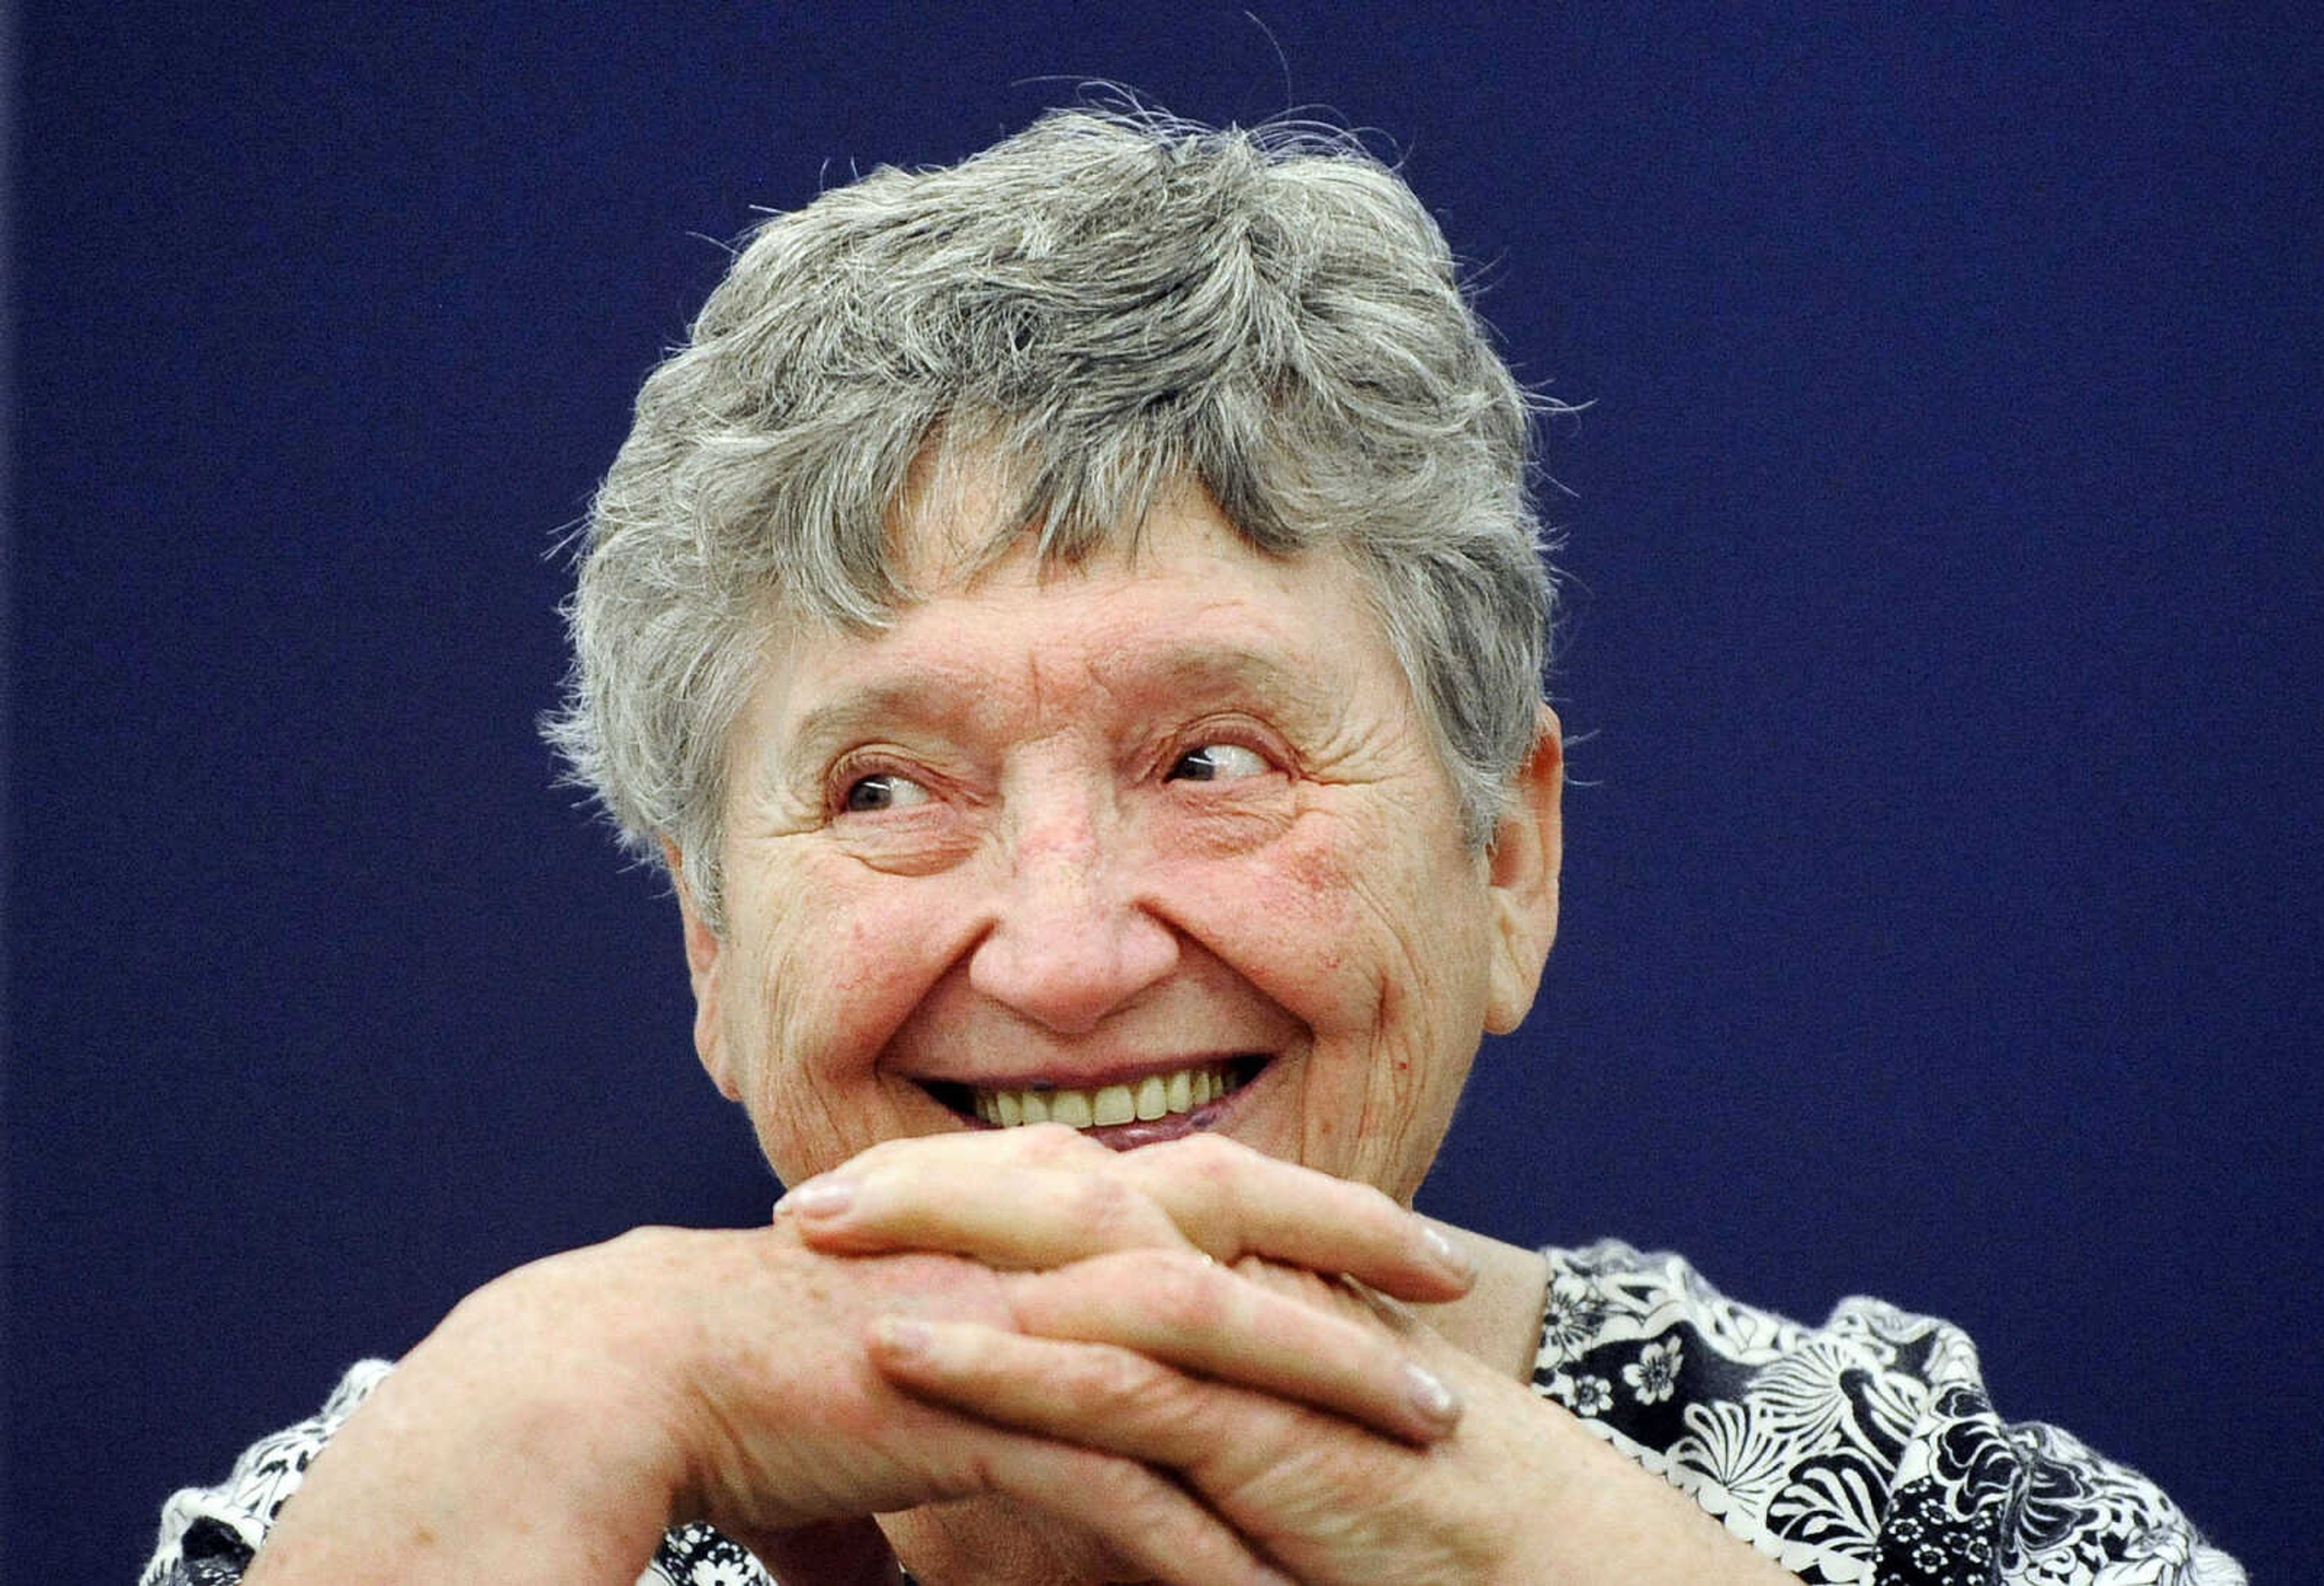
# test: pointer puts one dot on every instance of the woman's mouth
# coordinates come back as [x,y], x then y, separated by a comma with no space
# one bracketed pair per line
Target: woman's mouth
[1166,1104]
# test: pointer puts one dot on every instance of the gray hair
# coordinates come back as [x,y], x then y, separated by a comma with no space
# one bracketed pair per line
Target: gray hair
[1101,307]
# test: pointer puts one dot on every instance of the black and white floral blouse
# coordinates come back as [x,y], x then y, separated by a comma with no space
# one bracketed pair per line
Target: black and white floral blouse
[1861,1450]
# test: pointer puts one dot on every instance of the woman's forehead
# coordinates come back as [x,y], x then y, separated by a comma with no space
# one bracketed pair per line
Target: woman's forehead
[1189,614]
[844,696]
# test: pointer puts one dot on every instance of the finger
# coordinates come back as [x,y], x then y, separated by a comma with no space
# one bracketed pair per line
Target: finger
[1111,1399]
[1153,1523]
[1040,1197]
[1320,1496]
[1233,1202]
[1012,1215]
[1194,1314]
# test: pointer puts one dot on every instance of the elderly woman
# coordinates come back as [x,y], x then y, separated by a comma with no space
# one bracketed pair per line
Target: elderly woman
[1071,623]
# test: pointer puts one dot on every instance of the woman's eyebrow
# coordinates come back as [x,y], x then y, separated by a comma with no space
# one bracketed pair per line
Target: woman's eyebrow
[921,696]
[1204,673]
[1272,678]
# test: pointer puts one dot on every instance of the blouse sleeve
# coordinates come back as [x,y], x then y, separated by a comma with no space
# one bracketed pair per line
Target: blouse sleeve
[1862,1450]
[209,1534]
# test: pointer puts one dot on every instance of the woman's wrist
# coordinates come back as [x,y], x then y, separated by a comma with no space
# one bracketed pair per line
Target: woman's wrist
[494,1452]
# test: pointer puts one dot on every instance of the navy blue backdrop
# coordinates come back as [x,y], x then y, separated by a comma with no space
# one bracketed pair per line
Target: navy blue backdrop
[1942,660]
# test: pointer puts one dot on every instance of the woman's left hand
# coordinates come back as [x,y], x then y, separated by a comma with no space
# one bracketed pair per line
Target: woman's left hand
[1279,1395]
[1327,1498]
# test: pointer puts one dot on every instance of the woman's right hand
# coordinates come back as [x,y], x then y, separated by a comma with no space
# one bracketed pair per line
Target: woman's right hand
[563,1416]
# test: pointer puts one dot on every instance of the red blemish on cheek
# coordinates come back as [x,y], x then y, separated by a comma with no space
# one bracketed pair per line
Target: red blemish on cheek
[1315,866]
[859,962]
[1311,881]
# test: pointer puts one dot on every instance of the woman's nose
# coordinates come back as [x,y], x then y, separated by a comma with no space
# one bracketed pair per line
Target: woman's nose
[1070,942]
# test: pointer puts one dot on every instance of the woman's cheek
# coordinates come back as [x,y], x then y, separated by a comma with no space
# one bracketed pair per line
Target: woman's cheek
[786,1008]
[1299,904]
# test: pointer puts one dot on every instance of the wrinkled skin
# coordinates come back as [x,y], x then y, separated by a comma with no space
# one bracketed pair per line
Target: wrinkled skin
[1074,824]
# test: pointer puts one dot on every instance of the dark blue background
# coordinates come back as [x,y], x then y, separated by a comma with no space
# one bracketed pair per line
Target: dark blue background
[1943,664]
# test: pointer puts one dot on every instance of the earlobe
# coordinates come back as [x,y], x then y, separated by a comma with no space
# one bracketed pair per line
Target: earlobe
[703,957]
[1529,848]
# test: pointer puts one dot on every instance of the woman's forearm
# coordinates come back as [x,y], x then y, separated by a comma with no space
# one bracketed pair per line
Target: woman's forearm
[485,1457]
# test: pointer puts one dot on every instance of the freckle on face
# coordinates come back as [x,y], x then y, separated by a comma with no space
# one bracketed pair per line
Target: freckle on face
[1317,869]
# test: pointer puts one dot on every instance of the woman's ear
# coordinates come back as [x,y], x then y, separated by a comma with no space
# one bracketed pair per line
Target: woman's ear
[703,956]
[1528,847]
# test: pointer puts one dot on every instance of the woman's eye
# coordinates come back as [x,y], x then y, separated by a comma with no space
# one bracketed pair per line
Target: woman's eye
[882,790]
[1219,762]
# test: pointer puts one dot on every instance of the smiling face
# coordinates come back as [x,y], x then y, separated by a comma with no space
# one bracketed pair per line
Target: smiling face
[1163,838]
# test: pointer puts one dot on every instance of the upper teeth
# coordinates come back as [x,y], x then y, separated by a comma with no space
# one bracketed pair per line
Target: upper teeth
[1155,1096]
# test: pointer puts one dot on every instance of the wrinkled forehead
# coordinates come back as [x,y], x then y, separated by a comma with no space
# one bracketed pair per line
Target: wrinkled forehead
[1187,612]
[1186,592]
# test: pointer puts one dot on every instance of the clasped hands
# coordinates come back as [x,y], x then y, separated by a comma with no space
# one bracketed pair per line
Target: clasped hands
[1190,1363]
[1213,1331]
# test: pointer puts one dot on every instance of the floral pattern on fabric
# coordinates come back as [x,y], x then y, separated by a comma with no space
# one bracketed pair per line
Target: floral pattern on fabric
[1863,1451]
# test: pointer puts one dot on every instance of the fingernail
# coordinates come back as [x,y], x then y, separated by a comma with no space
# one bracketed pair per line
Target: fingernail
[901,1335]
[1459,1262]
[1430,1396]
[826,1196]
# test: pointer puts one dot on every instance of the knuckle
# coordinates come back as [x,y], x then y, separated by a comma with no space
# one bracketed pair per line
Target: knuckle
[1280,1277]
[1189,1292]
[1047,1144]
[1211,1156]
[1137,1497]
[1109,1380]
[1106,1208]
[1202,1179]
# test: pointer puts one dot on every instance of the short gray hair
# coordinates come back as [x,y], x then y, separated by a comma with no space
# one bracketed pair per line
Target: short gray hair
[1106,305]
